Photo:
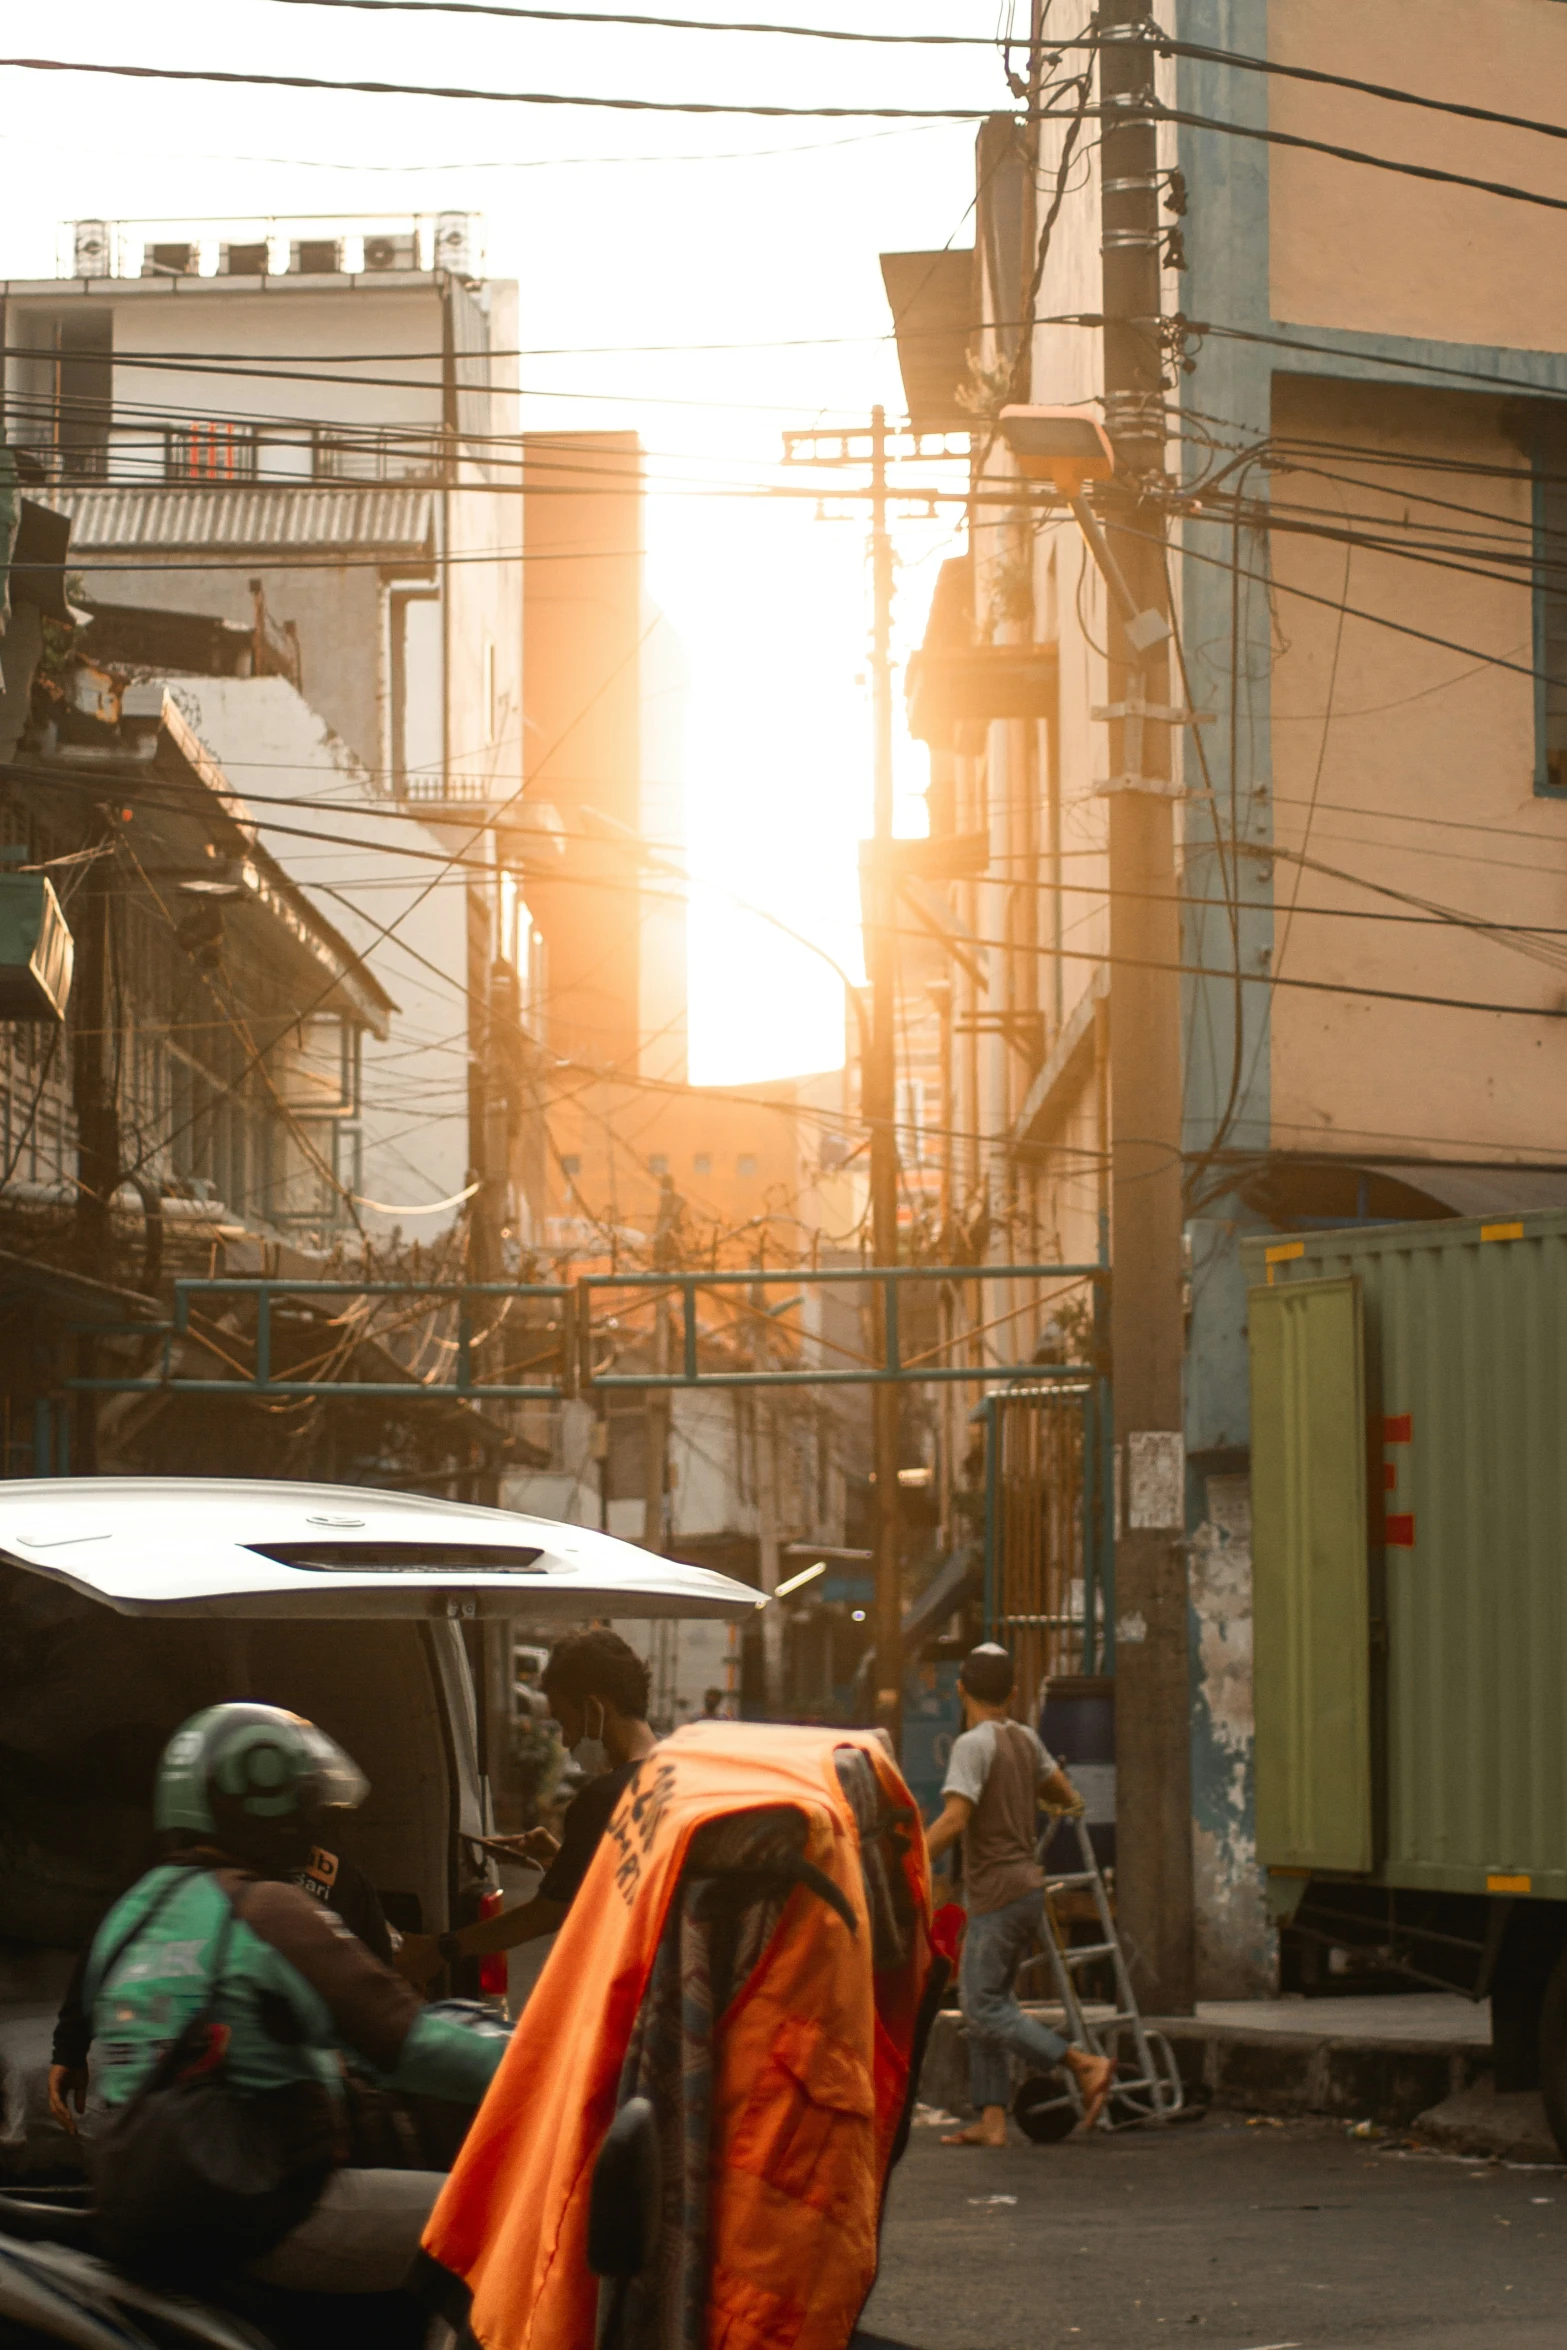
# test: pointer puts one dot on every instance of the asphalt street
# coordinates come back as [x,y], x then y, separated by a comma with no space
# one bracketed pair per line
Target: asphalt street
[1241,2237]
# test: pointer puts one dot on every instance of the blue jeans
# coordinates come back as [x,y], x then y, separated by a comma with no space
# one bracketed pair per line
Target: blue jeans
[994,1947]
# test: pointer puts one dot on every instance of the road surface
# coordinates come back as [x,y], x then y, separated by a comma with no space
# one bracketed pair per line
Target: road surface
[1239,2237]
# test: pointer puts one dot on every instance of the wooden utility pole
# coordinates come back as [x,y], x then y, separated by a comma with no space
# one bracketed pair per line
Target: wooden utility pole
[1153,1705]
[880,1098]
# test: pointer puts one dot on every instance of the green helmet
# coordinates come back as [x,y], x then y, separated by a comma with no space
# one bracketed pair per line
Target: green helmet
[253,1779]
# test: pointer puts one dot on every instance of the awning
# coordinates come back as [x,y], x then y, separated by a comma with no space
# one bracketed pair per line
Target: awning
[932,299]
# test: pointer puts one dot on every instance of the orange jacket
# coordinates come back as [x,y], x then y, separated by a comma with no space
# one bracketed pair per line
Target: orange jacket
[811,2069]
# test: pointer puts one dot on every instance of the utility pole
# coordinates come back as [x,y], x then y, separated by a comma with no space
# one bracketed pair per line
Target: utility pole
[879,1088]
[879,1055]
[1152,1713]
[97,1114]
[764,1436]
[97,1111]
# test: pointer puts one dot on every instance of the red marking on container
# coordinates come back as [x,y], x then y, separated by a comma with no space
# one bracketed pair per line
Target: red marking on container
[1400,1531]
[1389,1474]
[1399,1428]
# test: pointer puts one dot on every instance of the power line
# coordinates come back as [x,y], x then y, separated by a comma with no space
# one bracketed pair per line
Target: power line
[1341,81]
[300,81]
[1354,612]
[521,162]
[1155,111]
[673,24]
[458,863]
[1165,48]
[1294,342]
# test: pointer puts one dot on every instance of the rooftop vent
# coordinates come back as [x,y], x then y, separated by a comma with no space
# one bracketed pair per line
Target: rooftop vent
[392,252]
[315,257]
[253,260]
[169,260]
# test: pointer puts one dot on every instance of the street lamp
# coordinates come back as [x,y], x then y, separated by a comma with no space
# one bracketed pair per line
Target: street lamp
[1069,450]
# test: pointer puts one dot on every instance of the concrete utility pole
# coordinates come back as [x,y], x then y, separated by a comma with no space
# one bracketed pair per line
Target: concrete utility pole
[880,1098]
[764,1426]
[1152,1713]
[879,1053]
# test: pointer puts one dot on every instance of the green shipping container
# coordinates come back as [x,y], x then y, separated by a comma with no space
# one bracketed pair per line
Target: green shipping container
[1409,1497]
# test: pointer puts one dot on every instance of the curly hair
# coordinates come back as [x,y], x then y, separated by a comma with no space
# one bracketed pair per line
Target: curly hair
[598,1664]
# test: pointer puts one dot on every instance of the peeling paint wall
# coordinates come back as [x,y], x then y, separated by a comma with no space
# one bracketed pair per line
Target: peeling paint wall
[1235,1942]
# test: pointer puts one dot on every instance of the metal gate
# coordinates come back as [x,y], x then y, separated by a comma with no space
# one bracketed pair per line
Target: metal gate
[1048,1530]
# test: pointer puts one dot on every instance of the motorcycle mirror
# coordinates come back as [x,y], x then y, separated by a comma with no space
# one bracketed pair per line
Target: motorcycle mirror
[623,2208]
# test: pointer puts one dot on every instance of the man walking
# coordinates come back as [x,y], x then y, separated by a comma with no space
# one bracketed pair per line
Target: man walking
[998,1774]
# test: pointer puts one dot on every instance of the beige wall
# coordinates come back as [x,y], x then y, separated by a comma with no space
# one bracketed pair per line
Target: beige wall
[1382,254]
[1411,766]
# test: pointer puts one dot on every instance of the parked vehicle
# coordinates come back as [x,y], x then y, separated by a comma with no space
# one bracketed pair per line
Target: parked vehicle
[127,1604]
[1409,1513]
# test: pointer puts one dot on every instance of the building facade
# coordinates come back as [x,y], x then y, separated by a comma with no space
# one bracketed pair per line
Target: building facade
[308,430]
[1363,402]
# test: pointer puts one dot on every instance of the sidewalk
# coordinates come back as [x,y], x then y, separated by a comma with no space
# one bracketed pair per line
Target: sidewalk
[1378,2060]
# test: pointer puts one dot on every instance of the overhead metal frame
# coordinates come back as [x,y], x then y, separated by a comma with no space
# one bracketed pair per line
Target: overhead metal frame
[577,1376]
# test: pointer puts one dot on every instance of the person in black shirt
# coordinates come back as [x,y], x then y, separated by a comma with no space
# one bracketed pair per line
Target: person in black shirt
[597,1689]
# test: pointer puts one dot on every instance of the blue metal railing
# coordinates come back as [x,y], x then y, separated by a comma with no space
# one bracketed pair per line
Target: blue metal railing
[570,1342]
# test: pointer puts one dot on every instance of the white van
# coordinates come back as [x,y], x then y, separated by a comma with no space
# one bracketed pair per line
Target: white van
[128,1603]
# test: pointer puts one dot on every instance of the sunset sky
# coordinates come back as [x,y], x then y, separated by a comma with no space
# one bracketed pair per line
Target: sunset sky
[691,231]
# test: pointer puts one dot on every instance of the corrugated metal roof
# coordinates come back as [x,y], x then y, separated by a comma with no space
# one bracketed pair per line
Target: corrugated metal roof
[243,515]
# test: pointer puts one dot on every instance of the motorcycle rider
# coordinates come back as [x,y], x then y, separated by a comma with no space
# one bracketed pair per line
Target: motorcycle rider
[330,1878]
[217,1931]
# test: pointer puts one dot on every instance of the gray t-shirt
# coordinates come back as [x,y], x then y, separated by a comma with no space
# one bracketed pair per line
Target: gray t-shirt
[1000,1768]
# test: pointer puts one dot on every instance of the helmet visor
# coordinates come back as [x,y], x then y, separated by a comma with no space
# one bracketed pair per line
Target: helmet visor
[331,1780]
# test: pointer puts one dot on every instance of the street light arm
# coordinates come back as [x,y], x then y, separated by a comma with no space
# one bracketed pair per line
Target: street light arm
[1144,629]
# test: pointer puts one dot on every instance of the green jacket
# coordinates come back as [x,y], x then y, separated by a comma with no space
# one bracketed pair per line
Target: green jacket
[296,1990]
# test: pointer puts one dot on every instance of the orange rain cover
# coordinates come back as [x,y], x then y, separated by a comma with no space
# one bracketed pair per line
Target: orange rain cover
[810,2068]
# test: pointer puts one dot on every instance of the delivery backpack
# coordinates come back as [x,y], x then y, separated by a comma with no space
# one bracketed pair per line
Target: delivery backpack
[193,2176]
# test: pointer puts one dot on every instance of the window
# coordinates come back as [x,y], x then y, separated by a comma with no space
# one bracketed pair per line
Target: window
[418,731]
[571,1165]
[703,1163]
[746,1164]
[1550,618]
[658,1164]
[210,450]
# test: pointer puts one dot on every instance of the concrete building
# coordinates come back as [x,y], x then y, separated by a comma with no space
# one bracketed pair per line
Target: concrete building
[308,428]
[1364,396]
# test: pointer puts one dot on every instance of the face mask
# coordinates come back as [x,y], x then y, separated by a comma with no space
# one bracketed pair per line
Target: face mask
[590,1753]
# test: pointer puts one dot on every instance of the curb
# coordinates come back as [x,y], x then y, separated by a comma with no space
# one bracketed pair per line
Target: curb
[1258,2071]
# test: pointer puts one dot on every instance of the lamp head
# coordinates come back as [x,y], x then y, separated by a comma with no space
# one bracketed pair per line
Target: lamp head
[1059,445]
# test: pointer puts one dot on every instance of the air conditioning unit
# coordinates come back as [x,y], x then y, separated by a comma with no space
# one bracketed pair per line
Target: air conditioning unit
[454,243]
[393,252]
[249,260]
[170,260]
[92,248]
[315,257]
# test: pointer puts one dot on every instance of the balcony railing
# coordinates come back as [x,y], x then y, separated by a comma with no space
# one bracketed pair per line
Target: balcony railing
[217,450]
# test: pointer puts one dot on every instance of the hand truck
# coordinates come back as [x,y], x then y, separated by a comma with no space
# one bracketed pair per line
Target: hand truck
[1148,2084]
